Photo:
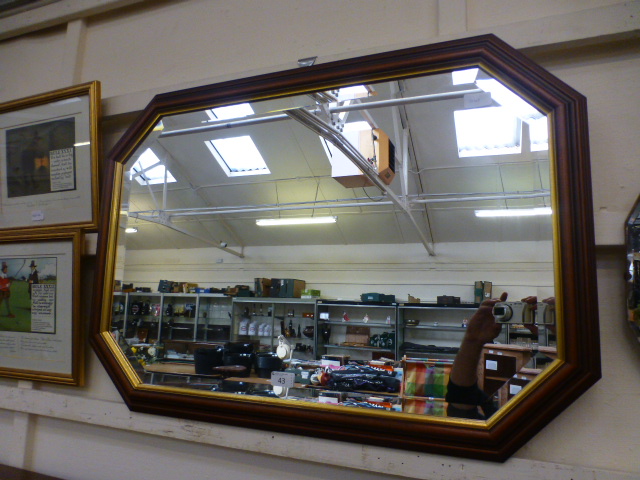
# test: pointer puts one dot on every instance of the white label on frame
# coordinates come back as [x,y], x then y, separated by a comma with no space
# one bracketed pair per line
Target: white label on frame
[283,379]
[491,365]
[37,216]
[513,389]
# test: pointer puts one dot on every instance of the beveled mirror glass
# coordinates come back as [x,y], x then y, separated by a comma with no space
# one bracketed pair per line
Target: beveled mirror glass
[348,329]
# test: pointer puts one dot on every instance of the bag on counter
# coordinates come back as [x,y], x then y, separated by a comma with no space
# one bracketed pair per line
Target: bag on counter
[363,378]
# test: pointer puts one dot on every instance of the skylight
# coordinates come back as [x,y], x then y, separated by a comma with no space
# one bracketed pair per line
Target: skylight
[356,126]
[487,131]
[229,112]
[509,100]
[472,127]
[464,77]
[238,156]
[149,170]
[349,93]
[539,134]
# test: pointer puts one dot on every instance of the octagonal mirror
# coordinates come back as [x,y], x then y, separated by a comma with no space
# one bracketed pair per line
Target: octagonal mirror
[307,251]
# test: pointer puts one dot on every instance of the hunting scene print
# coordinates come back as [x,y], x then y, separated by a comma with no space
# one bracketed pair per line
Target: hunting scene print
[28,294]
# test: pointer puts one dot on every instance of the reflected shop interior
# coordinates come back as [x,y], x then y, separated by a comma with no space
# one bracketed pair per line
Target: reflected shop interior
[418,162]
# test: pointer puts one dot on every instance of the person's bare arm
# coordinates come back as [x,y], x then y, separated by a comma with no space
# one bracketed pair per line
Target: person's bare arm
[482,328]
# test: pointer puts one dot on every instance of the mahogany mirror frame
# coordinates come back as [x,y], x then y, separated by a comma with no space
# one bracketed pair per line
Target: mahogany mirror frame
[578,367]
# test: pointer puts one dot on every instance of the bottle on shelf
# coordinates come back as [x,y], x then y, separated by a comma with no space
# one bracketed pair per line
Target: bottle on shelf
[290,332]
[326,332]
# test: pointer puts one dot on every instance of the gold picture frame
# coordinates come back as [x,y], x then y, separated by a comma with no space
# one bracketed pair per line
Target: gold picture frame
[40,328]
[49,147]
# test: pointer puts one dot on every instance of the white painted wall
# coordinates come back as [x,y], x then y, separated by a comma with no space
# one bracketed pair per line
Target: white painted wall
[149,47]
[345,272]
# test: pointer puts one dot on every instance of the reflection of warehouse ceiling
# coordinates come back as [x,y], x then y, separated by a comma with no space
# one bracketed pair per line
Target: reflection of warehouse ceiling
[12,7]
[300,182]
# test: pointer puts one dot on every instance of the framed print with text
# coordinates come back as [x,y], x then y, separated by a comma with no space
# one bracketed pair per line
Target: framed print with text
[40,329]
[49,147]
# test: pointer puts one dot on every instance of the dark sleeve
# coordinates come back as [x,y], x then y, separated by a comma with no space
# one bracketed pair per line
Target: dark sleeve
[471,395]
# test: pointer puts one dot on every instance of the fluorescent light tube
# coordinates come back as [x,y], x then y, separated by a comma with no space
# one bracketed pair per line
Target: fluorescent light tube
[514,212]
[130,230]
[263,222]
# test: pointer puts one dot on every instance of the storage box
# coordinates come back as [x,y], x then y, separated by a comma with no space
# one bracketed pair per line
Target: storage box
[357,336]
[448,300]
[310,293]
[332,397]
[165,286]
[262,287]
[377,297]
[238,291]
[488,290]
[274,289]
[244,292]
[290,288]
[478,292]
[336,360]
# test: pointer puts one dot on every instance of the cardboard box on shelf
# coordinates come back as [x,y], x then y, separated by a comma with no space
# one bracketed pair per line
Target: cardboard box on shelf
[289,287]
[310,293]
[189,287]
[262,287]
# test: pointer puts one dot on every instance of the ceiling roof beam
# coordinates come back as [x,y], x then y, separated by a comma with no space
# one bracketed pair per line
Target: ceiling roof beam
[321,128]
[413,200]
[262,118]
[394,102]
[162,219]
[177,169]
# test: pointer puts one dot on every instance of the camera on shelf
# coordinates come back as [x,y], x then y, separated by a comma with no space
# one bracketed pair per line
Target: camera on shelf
[546,314]
[513,312]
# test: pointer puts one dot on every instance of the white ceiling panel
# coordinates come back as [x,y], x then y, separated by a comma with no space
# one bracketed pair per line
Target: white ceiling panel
[300,183]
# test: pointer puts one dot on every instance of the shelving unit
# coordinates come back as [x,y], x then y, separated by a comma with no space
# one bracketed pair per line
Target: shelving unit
[275,315]
[143,316]
[361,330]
[364,331]
[160,318]
[439,330]
[213,317]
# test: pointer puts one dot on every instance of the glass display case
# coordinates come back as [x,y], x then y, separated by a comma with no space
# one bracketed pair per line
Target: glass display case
[213,318]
